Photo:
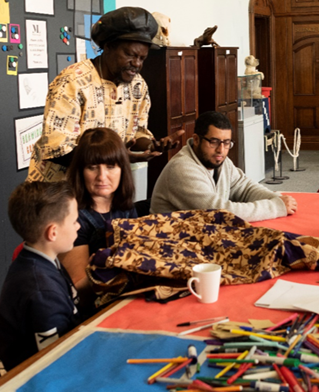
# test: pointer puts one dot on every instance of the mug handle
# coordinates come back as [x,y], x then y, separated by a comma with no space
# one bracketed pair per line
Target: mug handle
[190,288]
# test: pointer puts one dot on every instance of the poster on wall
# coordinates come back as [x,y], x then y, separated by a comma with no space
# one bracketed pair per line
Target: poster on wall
[28,131]
[40,7]
[4,12]
[37,45]
[33,88]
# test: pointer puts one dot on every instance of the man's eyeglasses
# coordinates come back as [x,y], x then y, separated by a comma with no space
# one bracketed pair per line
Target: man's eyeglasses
[214,143]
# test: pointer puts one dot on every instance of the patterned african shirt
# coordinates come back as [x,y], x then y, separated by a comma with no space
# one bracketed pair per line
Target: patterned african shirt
[78,99]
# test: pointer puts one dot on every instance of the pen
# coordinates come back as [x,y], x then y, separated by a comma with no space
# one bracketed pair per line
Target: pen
[292,362]
[202,327]
[261,375]
[187,323]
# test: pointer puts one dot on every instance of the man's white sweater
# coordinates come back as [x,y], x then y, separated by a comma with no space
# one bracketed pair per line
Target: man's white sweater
[185,184]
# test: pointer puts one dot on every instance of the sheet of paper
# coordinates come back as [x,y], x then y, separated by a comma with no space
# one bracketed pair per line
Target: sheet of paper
[28,131]
[291,296]
[37,44]
[278,289]
[310,306]
[40,7]
[33,88]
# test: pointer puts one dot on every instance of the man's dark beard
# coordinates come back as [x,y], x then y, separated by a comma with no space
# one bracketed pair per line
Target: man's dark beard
[205,162]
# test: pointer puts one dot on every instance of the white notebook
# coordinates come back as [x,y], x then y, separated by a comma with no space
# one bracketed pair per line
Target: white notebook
[291,296]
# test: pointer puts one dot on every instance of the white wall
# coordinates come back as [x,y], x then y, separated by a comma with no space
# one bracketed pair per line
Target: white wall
[189,19]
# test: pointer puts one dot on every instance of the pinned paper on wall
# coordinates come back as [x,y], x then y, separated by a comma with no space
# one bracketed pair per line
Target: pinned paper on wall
[3,32]
[14,33]
[12,65]
[80,49]
[4,12]
[28,131]
[33,88]
[40,7]
[37,45]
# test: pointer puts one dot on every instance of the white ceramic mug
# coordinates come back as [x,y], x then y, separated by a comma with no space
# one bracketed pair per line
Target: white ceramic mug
[207,281]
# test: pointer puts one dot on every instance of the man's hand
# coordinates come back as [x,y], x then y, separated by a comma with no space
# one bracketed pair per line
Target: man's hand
[290,203]
[167,143]
[144,156]
[152,148]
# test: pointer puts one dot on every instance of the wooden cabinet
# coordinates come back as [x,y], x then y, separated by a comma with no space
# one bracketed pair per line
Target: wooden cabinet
[171,75]
[217,86]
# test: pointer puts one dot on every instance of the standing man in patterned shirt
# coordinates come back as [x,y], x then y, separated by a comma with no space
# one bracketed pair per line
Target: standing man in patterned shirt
[107,91]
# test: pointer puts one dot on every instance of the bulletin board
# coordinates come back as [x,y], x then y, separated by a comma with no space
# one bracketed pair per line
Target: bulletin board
[37,40]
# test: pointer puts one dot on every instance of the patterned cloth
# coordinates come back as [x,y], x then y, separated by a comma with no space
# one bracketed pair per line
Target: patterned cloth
[169,245]
[78,99]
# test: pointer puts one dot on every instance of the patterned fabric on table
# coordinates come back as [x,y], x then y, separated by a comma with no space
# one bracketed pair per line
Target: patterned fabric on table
[169,245]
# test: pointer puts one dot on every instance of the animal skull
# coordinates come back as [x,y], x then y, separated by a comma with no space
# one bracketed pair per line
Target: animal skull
[164,25]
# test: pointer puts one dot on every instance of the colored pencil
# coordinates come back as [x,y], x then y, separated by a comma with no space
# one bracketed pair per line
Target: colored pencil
[227,368]
[241,371]
[163,370]
[178,367]
[223,355]
[230,360]
[311,346]
[312,323]
[267,337]
[282,378]
[293,344]
[286,320]
[158,360]
[309,371]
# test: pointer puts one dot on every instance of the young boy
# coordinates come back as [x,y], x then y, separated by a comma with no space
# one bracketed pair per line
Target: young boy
[38,299]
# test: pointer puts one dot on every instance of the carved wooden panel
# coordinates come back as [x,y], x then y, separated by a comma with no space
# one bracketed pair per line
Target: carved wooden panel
[262,7]
[304,3]
[305,30]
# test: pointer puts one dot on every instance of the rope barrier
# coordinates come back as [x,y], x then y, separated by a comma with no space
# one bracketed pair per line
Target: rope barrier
[296,147]
[277,142]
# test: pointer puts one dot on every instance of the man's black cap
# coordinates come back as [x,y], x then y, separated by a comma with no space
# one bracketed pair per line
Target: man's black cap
[126,23]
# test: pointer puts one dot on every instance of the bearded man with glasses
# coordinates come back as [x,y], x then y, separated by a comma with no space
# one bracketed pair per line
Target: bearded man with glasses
[201,176]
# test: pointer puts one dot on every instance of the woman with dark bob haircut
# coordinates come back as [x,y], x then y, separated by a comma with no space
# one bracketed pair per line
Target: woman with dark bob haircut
[101,176]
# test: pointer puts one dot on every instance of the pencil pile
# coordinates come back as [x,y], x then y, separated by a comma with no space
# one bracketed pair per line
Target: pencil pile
[281,358]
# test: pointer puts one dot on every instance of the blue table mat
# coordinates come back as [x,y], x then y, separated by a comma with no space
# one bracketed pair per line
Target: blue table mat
[98,363]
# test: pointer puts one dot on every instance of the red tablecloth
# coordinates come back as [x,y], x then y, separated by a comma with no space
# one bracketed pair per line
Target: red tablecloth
[236,302]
